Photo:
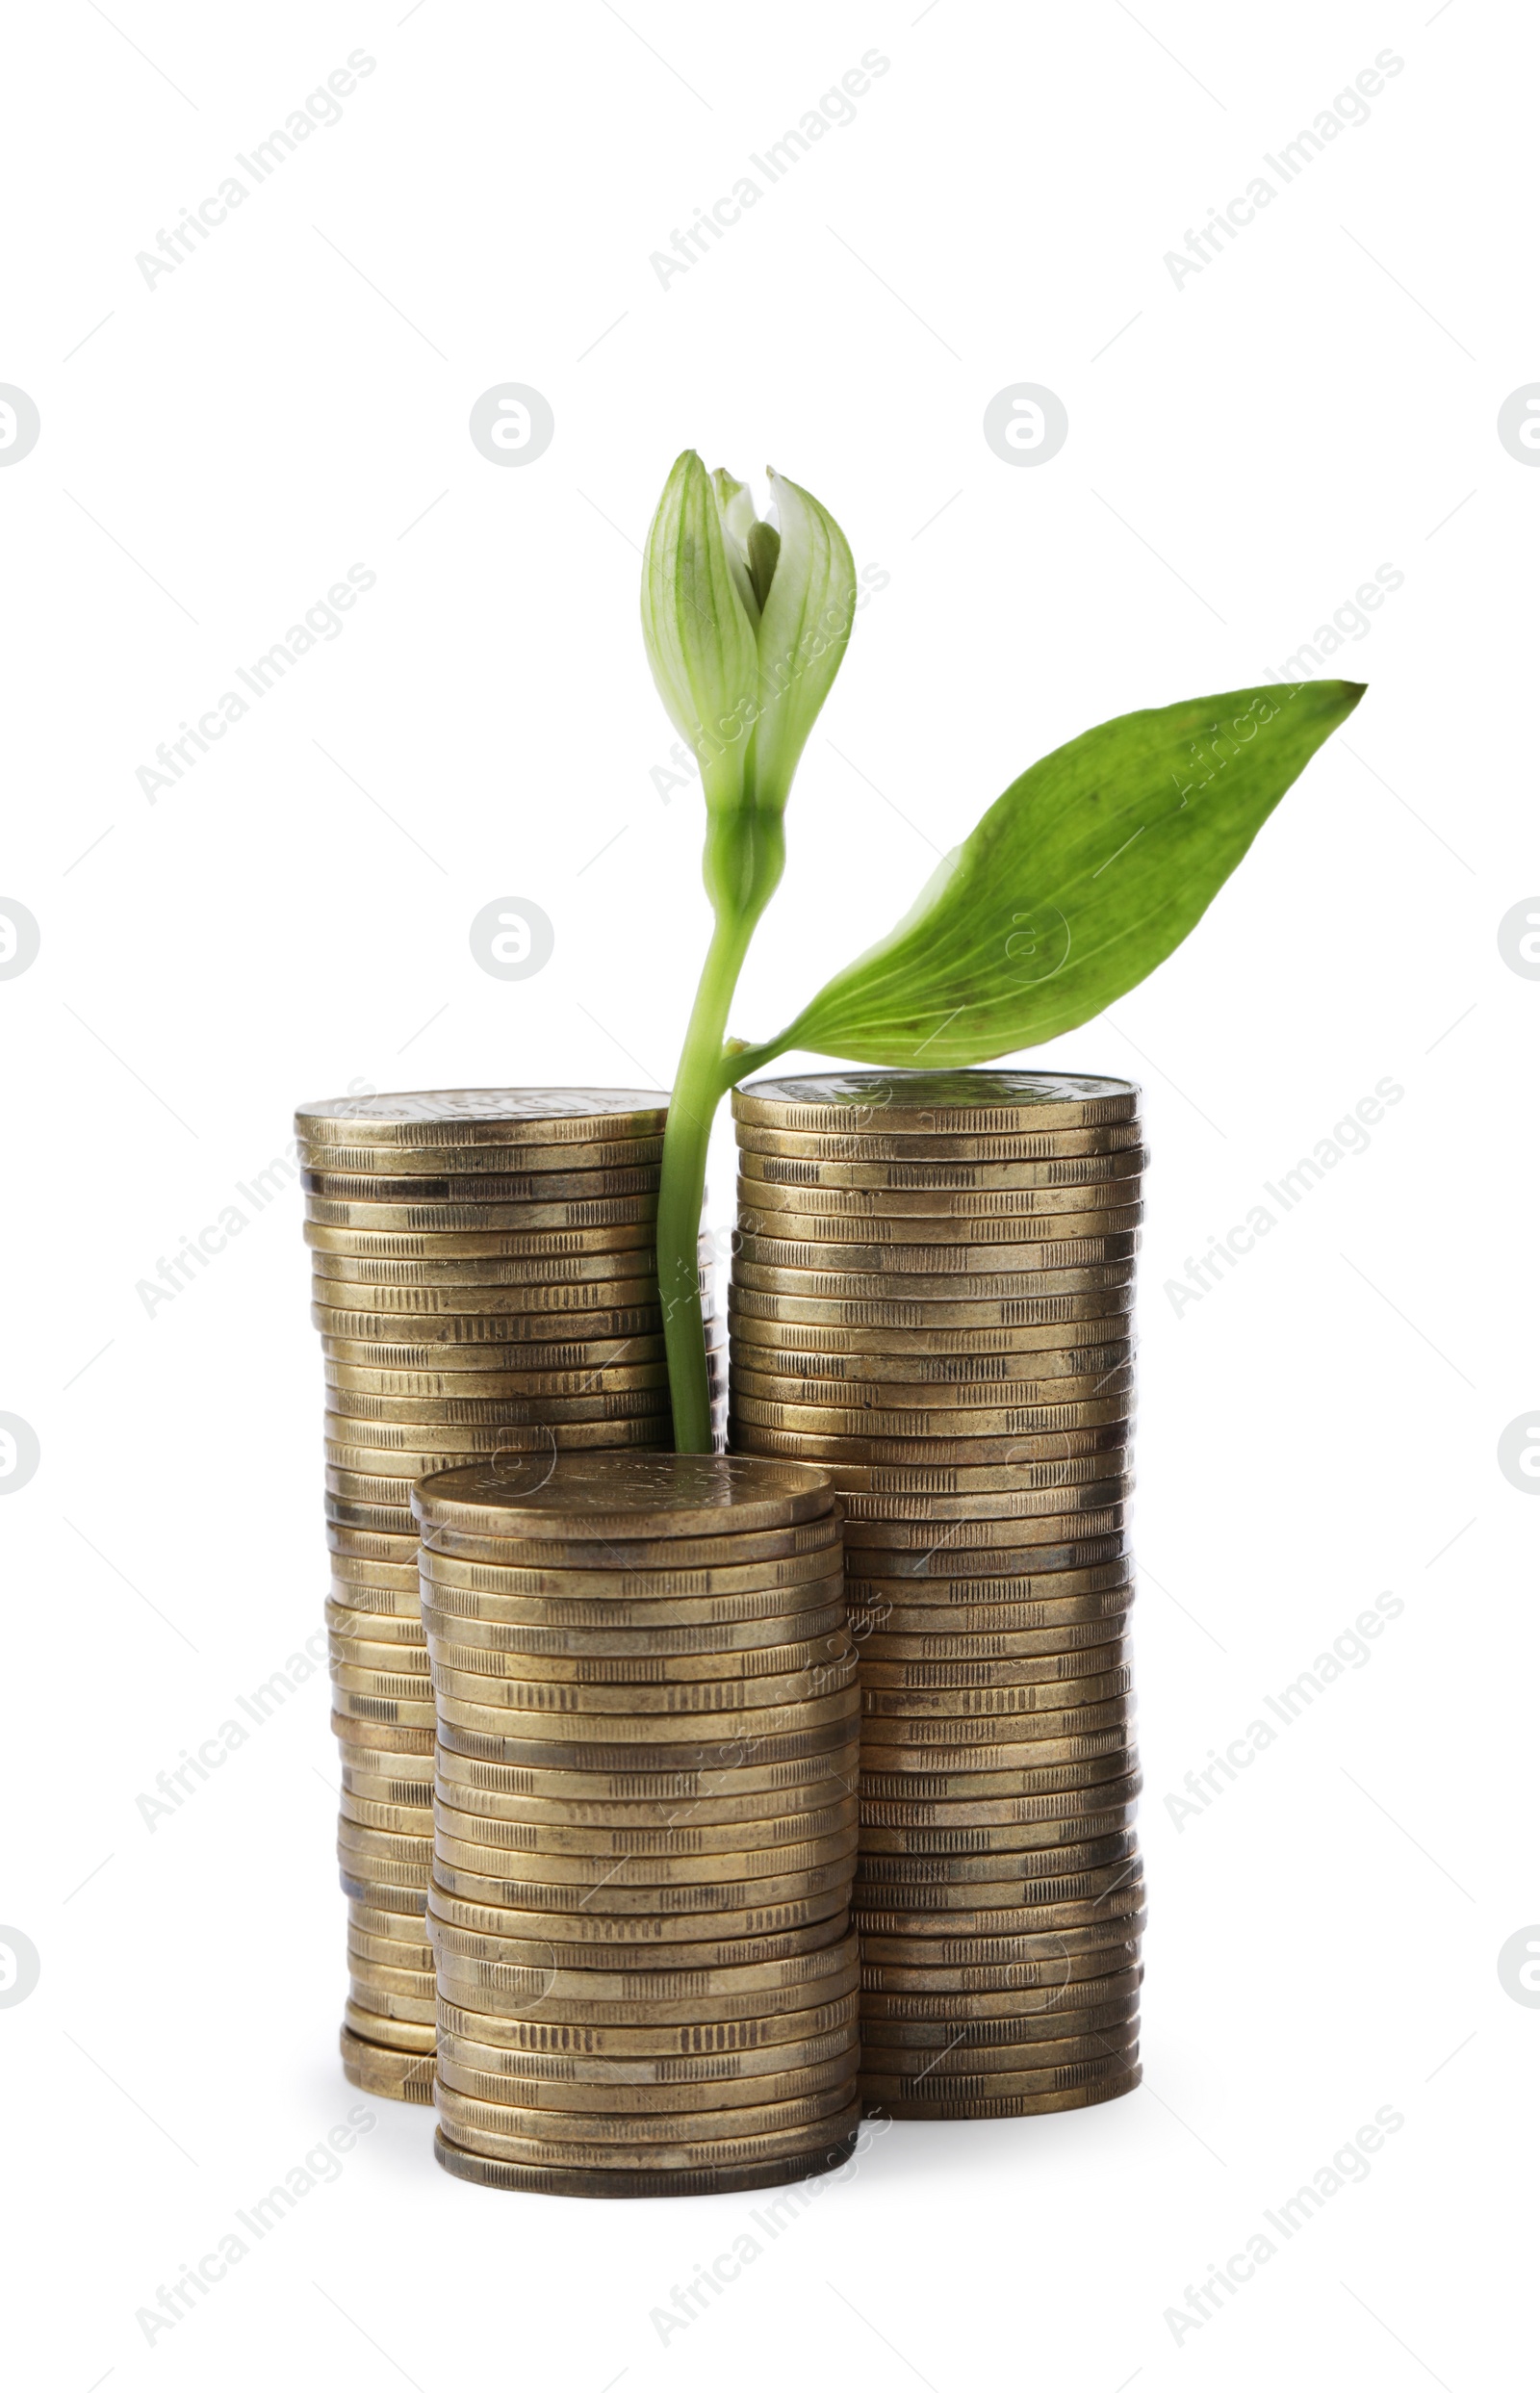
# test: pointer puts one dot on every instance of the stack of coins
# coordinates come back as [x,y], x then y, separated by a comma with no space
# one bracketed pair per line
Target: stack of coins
[484,1285]
[932,1295]
[645,1824]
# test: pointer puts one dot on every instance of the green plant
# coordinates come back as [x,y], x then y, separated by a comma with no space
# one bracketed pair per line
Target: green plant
[1079,880]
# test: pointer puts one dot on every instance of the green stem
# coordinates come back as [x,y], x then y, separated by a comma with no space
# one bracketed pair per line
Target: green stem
[698,1083]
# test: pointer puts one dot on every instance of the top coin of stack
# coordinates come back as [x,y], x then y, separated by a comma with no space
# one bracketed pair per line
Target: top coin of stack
[484,1285]
[932,1295]
[645,1823]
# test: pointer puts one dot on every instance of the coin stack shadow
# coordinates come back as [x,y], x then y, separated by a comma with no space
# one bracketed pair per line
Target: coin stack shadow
[644,1827]
[932,1295]
[484,1285]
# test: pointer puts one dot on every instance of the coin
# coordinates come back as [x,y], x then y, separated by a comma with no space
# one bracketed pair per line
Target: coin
[581,1216]
[636,2140]
[746,1646]
[672,1697]
[743,2047]
[890,1624]
[913,1213]
[669,1495]
[804,1243]
[751,1664]
[737,2151]
[896,1921]
[525,1939]
[912,1876]
[1044,1770]
[619,2184]
[366,1445]
[934,1286]
[954,1404]
[915,1452]
[673,1619]
[482,1117]
[487,1389]
[402,2036]
[944,1103]
[900,1548]
[952,1370]
[528,1358]
[445,1335]
[581,2107]
[949,1701]
[630,1557]
[489,1736]
[679,1838]
[945,2097]
[516,2000]
[632,1239]
[1005,1647]
[886,1316]
[878,1144]
[380,1737]
[423,1413]
[720,1776]
[618,1904]
[974,1955]
[1019,2107]
[987,1422]
[703,1733]
[400,2076]
[450,1284]
[346,1186]
[948,1177]
[1016,1670]
[866,1353]
[586,1156]
[631,2073]
[992,1589]
[1017,2015]
[951,1846]
[908,2069]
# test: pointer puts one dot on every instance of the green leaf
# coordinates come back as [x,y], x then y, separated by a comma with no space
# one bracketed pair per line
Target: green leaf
[701,644]
[1077,883]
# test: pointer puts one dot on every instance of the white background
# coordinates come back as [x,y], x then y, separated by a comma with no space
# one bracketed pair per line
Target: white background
[1246,449]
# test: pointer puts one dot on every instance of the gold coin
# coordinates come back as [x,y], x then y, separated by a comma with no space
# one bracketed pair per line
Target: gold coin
[1091,1455]
[892,1625]
[586,1943]
[483,1117]
[581,1216]
[675,2164]
[359,1571]
[1081,1485]
[582,2104]
[1017,2106]
[506,2177]
[947,1702]
[466,1362]
[552,1883]
[948,1177]
[637,2075]
[359,1736]
[415,1453]
[951,1371]
[894,1650]
[941,1103]
[987,1422]
[450,1187]
[454,1314]
[718,1820]
[418,1413]
[899,1213]
[409,1386]
[392,1520]
[1092,2062]
[383,1628]
[492,1737]
[355,1334]
[524,2007]
[889,1915]
[677,1840]
[940,2058]
[934,1285]
[877,1144]
[737,1645]
[950,1740]
[798,1603]
[409,1995]
[926,1353]
[735,1724]
[751,1664]
[672,1496]
[1062,1961]
[396,2034]
[966,1941]
[816,1962]
[387,1711]
[399,2076]
[555,1686]
[1011,1817]
[1046,1771]
[1085,1547]
[360,1545]
[878,1670]
[904,1876]
[633,2136]
[934,1545]
[1012,1588]
[889,1399]
[1017,2015]
[507,1561]
[878,1324]
[813,1242]
[632,1239]
[737,2048]
[1041,1838]
[625,1154]
[752,1437]
[716,1779]
[356,1653]
[402,1819]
